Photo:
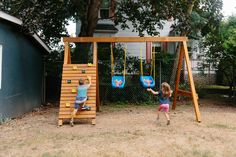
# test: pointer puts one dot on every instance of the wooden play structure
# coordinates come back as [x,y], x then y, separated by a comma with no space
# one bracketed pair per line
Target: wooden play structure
[73,72]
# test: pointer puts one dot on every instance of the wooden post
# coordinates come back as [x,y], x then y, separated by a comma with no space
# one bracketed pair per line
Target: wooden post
[69,55]
[66,52]
[60,122]
[93,121]
[97,90]
[180,62]
[97,78]
[94,53]
[190,76]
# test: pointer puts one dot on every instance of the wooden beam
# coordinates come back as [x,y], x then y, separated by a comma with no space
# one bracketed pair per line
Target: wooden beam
[177,80]
[97,91]
[192,87]
[94,53]
[124,39]
[95,62]
[69,56]
[66,51]
[184,93]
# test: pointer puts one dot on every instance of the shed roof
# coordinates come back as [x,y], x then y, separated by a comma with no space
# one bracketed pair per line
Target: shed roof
[17,21]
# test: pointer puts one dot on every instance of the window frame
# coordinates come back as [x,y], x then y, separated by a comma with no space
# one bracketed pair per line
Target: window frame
[102,8]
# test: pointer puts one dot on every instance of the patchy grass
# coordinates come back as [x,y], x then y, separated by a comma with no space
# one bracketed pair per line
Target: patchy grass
[112,107]
[207,153]
[215,87]
[216,92]
[125,130]
[222,126]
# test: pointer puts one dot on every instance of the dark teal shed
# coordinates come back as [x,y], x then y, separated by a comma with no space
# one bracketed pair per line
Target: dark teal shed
[21,69]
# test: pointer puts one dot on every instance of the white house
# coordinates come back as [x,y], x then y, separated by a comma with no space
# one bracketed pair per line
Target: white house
[107,28]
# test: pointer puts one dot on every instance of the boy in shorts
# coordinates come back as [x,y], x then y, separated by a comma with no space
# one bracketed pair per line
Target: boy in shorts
[81,97]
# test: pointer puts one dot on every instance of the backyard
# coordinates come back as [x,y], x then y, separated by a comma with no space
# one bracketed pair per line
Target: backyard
[125,130]
[51,47]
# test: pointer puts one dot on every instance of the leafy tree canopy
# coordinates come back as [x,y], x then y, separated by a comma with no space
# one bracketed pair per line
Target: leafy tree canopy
[192,16]
[220,47]
[49,17]
[221,43]
[229,35]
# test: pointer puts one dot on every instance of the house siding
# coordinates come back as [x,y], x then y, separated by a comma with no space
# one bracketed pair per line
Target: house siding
[134,48]
[22,71]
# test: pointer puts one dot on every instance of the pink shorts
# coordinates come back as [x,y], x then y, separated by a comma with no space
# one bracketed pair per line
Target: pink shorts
[164,107]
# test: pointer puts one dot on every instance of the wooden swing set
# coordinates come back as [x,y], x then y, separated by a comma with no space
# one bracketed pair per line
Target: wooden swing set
[73,72]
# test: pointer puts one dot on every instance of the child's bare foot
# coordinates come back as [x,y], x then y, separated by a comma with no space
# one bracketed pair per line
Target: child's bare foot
[168,122]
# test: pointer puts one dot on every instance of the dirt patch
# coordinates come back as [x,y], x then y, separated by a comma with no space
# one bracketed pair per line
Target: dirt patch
[124,132]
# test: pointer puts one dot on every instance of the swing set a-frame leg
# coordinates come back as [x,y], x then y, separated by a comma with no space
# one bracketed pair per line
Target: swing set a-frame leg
[192,93]
[180,62]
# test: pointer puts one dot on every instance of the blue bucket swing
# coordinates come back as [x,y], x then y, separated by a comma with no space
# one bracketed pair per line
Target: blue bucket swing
[147,81]
[117,81]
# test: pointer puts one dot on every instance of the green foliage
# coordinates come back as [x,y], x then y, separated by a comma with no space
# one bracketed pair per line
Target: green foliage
[49,17]
[164,61]
[133,91]
[104,58]
[217,93]
[220,49]
[191,17]
[141,14]
[54,64]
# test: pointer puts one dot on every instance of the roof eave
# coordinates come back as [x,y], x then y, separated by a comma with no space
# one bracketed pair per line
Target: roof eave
[17,21]
[106,31]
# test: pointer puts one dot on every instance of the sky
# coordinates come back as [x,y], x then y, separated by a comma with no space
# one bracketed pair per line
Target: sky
[229,8]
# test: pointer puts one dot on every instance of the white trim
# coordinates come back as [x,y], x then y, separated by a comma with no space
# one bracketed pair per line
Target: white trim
[0,66]
[105,31]
[15,20]
[10,18]
[36,37]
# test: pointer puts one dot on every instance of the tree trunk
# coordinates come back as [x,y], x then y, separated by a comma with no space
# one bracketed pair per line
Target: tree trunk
[188,14]
[184,33]
[90,19]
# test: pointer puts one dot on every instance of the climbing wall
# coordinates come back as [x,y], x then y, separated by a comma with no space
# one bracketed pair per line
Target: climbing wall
[70,80]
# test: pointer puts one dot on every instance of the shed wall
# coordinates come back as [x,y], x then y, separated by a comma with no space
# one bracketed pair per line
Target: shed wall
[22,72]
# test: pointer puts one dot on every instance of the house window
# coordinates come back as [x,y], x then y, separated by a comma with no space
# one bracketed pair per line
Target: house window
[156,48]
[0,66]
[105,9]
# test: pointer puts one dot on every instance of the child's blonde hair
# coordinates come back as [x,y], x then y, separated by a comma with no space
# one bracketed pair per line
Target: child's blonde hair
[166,89]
